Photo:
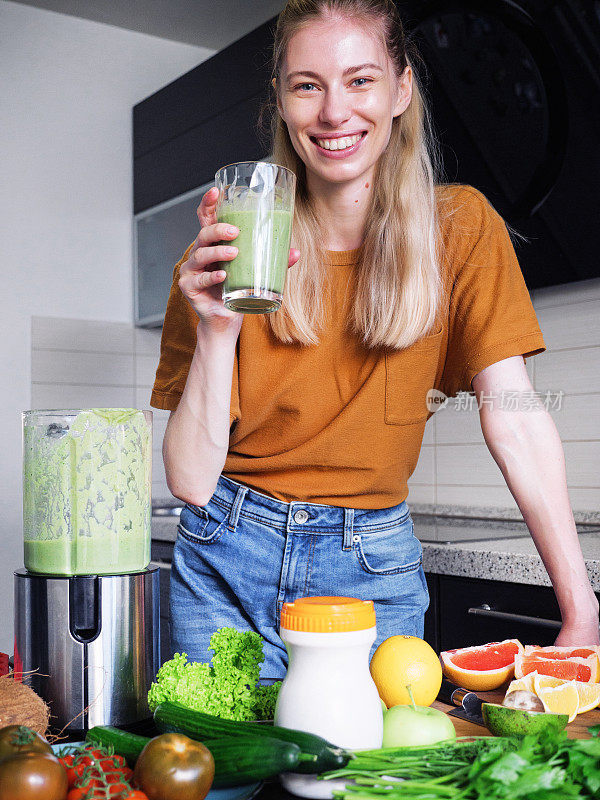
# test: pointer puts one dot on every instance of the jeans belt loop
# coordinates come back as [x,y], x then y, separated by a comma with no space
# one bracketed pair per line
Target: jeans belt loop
[234,514]
[348,528]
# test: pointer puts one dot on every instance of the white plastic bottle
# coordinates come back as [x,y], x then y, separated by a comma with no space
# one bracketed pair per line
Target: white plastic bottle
[328,689]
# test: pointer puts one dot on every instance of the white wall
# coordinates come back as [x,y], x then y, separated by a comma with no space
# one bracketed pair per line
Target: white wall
[67,90]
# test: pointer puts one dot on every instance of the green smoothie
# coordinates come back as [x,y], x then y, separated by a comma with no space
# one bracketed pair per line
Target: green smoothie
[87,491]
[264,246]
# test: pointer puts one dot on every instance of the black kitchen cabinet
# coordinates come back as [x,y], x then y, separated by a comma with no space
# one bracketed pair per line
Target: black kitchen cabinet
[432,615]
[206,118]
[474,611]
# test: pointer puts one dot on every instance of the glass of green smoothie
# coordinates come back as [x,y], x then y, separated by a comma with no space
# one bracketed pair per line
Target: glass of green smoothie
[258,198]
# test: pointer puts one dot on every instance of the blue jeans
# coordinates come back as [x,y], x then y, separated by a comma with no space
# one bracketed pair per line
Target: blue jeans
[240,557]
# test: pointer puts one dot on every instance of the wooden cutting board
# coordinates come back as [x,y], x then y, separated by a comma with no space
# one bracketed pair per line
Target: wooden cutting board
[575,730]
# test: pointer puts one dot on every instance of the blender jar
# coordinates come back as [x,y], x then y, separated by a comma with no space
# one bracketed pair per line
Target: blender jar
[87,479]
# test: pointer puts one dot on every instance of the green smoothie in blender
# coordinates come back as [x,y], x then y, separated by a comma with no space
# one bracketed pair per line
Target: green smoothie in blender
[87,491]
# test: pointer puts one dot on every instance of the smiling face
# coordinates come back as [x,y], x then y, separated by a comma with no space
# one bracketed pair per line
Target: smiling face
[338,94]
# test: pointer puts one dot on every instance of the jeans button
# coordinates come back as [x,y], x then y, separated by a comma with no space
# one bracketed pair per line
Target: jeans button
[300,516]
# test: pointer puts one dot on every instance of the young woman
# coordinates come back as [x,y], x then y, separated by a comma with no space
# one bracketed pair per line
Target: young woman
[292,435]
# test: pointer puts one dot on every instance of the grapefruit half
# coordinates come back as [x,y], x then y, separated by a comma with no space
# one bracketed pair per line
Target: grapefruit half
[482,667]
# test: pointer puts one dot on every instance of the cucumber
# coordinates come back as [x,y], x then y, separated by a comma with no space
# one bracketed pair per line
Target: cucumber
[175,717]
[246,759]
[128,745]
[238,760]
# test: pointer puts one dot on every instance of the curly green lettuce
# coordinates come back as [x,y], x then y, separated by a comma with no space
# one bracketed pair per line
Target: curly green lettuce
[228,688]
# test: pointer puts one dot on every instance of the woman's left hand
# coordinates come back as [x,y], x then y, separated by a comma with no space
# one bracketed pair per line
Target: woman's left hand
[578,633]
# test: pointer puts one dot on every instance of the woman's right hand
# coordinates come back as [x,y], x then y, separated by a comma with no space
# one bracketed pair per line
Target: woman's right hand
[200,276]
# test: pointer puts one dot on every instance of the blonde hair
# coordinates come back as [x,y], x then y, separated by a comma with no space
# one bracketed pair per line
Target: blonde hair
[398,283]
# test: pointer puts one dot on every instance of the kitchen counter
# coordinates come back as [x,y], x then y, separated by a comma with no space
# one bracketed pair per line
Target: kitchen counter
[492,549]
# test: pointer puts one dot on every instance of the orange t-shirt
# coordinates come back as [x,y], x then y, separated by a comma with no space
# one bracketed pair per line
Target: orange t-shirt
[342,424]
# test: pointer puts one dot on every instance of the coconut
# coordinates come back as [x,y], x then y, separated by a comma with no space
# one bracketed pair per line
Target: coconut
[20,705]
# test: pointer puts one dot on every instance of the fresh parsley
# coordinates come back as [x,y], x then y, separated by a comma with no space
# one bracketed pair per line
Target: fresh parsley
[545,767]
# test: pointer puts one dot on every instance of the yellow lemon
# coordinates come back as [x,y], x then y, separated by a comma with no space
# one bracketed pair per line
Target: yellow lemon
[561,699]
[588,693]
[545,682]
[525,683]
[403,660]
[589,696]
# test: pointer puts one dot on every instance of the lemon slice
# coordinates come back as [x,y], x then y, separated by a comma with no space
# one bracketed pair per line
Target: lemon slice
[561,699]
[547,682]
[588,693]
[589,696]
[526,683]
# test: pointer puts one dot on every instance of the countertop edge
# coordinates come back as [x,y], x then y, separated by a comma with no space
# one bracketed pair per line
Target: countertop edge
[496,565]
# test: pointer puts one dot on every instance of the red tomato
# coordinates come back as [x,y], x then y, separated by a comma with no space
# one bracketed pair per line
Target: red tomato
[174,766]
[16,739]
[33,776]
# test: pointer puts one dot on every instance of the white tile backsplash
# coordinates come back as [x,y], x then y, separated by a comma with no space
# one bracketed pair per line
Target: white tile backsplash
[159,425]
[142,399]
[567,293]
[454,425]
[571,326]
[583,463]
[467,465]
[585,499]
[55,333]
[93,369]
[481,496]
[158,470]
[424,471]
[86,364]
[429,434]
[578,417]
[147,341]
[145,370]
[420,493]
[569,371]
[160,491]
[65,395]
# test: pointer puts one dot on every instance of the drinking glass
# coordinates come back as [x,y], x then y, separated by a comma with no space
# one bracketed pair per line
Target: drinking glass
[258,198]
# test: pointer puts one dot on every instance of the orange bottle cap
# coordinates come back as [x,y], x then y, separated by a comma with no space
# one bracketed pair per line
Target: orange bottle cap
[328,614]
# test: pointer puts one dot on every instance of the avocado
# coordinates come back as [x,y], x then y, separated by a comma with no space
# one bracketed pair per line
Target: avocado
[503,721]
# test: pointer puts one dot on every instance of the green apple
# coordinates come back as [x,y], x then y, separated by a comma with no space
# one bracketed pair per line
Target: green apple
[383,706]
[411,725]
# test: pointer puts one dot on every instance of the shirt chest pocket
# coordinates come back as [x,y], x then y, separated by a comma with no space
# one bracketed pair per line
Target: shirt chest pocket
[409,375]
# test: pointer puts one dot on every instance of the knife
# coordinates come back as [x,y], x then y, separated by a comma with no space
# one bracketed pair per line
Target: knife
[468,704]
